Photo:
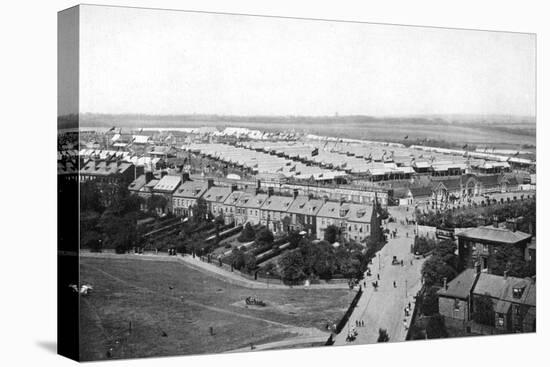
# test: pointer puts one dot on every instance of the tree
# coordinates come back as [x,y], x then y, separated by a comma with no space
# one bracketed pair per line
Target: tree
[423,245]
[292,266]
[430,301]
[319,259]
[332,233]
[156,203]
[383,336]
[484,311]
[92,240]
[247,234]
[90,197]
[436,327]
[435,269]
[264,235]
[249,262]
[200,211]
[508,257]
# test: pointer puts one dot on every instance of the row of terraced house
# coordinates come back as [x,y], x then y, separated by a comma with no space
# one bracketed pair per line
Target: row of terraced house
[278,211]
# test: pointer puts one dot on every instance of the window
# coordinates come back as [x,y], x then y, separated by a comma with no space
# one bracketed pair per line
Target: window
[517,292]
[457,305]
[500,319]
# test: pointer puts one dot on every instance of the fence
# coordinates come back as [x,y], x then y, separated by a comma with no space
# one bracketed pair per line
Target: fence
[346,317]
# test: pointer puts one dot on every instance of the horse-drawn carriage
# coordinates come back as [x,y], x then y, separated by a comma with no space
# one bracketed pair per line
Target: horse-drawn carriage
[253,301]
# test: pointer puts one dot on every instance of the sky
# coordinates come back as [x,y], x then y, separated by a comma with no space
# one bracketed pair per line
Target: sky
[172,62]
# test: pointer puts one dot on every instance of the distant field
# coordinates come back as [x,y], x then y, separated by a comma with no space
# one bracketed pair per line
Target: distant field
[497,134]
[176,321]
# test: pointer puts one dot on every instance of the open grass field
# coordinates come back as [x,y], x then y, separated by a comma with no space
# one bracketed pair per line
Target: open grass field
[145,308]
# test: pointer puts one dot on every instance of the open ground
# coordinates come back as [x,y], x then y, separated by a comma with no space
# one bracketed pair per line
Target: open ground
[151,308]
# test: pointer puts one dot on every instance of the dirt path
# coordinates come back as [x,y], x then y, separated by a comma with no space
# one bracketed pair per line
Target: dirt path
[307,332]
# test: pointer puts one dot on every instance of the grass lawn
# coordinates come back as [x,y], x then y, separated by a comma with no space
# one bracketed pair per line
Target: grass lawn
[171,308]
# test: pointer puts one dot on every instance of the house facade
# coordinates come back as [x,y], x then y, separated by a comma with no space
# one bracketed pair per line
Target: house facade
[479,245]
[303,214]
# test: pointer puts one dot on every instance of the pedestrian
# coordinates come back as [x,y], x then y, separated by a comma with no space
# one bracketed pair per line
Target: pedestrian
[378,276]
[394,284]
[363,322]
[409,305]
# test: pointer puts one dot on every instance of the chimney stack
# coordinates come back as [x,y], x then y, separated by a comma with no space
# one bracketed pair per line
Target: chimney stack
[210,182]
[163,173]
[505,274]
[148,176]
[445,283]
[233,187]
[258,185]
[185,177]
[269,191]
[295,193]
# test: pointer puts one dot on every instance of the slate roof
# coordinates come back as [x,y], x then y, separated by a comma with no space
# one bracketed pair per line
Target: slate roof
[277,203]
[104,168]
[233,198]
[503,288]
[348,211]
[304,205]
[217,194]
[137,184]
[191,189]
[168,183]
[493,234]
[359,213]
[461,286]
[251,200]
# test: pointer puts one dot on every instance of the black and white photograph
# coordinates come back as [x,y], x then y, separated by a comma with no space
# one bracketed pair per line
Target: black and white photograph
[241,183]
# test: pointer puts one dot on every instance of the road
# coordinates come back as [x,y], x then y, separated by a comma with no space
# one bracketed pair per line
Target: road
[384,308]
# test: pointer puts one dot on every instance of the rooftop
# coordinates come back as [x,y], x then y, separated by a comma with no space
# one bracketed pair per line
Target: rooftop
[493,234]
[461,286]
[191,189]
[217,194]
[168,183]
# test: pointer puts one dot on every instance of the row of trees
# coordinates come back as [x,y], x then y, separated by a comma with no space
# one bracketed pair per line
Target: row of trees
[322,260]
[470,217]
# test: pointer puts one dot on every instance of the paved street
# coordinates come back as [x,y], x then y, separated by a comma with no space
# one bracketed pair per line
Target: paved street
[384,308]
